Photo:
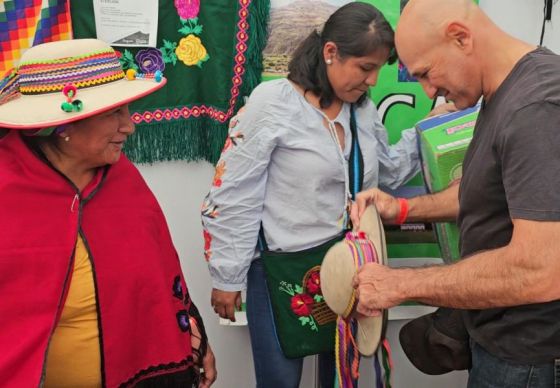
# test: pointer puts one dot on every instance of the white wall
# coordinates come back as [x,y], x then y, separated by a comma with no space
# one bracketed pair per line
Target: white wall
[523,19]
[180,188]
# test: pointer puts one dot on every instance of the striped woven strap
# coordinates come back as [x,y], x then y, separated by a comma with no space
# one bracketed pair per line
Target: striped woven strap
[346,351]
[49,76]
[363,252]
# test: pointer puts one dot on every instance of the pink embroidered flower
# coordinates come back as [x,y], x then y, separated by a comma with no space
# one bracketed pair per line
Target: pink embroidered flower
[187,9]
[207,244]
[313,284]
[301,304]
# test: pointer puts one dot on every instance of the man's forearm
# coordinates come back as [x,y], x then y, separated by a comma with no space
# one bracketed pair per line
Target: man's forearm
[495,278]
[438,207]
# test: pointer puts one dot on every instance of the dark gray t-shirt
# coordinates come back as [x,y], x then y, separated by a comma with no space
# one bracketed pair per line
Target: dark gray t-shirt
[512,171]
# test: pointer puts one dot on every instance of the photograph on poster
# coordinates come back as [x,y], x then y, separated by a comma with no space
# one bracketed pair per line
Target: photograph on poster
[291,21]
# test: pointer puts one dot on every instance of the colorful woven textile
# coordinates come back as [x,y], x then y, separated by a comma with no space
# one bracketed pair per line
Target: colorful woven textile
[210,52]
[25,23]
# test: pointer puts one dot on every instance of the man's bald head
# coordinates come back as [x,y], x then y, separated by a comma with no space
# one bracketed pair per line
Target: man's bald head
[454,50]
[433,12]
[424,21]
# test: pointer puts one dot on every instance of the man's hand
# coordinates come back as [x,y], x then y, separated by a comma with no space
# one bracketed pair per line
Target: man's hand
[377,288]
[225,303]
[387,206]
[443,108]
[209,373]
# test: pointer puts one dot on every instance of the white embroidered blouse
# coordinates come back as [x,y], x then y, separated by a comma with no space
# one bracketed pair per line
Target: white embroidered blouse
[281,166]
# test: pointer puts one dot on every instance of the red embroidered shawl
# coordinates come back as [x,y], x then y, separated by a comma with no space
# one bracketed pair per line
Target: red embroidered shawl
[142,300]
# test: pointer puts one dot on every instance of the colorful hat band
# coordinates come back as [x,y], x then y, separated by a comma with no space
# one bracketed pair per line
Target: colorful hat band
[41,77]
[363,251]
[346,350]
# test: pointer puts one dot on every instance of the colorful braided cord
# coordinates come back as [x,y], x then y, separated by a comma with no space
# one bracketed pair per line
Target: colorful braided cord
[346,351]
[39,77]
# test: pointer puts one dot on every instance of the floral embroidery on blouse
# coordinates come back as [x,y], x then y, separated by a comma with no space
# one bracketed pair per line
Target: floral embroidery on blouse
[234,139]
[207,245]
[209,209]
[220,170]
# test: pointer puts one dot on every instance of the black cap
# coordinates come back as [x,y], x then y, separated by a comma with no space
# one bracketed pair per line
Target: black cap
[437,343]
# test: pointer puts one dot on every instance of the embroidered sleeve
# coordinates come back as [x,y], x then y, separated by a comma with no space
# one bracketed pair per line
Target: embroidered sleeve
[398,163]
[231,212]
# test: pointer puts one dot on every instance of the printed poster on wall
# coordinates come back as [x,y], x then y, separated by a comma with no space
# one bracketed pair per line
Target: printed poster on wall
[127,23]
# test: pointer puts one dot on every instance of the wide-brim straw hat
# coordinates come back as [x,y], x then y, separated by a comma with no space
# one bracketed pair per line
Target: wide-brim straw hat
[31,95]
[337,271]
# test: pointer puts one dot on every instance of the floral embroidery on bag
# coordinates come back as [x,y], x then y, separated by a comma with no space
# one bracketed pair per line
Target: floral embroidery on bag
[307,302]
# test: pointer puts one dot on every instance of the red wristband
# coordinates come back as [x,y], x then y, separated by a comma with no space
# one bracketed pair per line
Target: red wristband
[403,213]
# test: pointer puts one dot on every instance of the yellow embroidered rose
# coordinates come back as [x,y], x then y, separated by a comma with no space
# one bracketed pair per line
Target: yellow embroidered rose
[190,50]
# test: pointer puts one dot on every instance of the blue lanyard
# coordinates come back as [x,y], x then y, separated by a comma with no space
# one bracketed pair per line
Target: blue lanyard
[356,158]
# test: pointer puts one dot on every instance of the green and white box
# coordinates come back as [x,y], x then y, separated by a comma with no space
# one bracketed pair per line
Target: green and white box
[443,142]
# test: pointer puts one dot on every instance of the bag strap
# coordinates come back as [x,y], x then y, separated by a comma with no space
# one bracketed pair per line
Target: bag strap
[356,163]
[263,246]
[355,170]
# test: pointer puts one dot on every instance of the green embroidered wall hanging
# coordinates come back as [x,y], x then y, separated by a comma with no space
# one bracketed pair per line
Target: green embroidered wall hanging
[211,53]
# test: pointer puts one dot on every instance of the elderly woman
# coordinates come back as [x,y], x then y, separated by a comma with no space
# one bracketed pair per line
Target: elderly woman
[92,289]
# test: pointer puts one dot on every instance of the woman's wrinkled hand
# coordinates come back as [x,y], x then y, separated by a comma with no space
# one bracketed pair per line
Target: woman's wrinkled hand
[209,373]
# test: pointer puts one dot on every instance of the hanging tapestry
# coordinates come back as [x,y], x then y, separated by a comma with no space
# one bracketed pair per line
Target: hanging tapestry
[211,53]
[26,23]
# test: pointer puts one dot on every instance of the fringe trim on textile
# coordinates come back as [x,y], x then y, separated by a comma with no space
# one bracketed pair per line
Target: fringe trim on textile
[191,140]
[202,138]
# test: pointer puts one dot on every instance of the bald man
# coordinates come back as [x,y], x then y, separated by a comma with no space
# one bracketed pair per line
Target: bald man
[507,204]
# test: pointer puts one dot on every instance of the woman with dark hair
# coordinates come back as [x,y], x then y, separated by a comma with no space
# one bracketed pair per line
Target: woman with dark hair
[285,170]
[355,30]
